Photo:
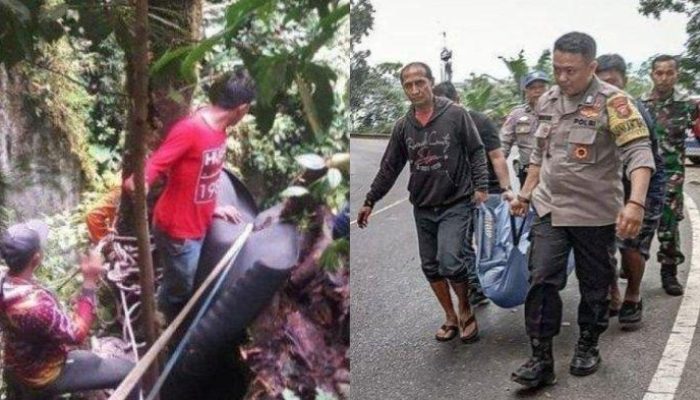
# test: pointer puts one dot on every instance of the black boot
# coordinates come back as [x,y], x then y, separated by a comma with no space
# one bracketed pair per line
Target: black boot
[539,369]
[586,356]
[669,280]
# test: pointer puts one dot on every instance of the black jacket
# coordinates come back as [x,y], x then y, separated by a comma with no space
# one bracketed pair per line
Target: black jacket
[446,157]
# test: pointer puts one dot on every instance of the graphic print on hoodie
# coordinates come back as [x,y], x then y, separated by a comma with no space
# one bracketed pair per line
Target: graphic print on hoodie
[446,157]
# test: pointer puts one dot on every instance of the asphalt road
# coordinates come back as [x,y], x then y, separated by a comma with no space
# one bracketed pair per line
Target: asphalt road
[395,315]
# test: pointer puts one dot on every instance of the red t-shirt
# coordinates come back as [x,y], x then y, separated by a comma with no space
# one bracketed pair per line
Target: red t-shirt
[191,156]
[423,117]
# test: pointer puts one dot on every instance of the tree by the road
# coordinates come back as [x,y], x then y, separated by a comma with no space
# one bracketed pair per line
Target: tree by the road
[690,60]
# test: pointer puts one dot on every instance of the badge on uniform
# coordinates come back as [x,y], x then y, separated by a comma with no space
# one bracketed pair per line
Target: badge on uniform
[624,121]
[621,106]
[522,128]
[590,112]
[591,107]
[581,152]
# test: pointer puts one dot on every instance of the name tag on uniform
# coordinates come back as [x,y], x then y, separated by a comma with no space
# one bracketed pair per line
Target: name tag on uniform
[522,128]
[585,122]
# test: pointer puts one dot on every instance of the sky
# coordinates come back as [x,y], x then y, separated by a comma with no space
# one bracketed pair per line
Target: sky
[479,31]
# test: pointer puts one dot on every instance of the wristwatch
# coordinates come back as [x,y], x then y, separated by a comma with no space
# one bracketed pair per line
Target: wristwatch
[369,203]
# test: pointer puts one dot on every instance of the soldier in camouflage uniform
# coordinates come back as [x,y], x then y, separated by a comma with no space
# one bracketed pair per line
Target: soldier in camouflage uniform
[674,114]
[634,252]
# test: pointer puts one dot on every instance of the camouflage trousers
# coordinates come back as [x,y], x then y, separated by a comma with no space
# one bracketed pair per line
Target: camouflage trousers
[669,235]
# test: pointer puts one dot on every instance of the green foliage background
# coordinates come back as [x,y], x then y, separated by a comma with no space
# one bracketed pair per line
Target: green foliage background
[377,99]
[293,49]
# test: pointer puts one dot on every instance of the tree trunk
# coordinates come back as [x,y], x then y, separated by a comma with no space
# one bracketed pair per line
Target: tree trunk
[177,23]
[137,83]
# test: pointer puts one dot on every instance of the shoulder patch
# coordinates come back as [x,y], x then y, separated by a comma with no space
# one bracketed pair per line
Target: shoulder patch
[608,90]
[624,120]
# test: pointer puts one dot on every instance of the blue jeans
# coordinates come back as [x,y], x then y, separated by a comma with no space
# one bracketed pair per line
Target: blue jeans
[178,259]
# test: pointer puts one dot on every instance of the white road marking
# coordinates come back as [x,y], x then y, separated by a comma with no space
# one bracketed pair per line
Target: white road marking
[396,203]
[668,374]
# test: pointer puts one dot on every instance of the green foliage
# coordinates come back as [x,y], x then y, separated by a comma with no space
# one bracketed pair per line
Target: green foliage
[517,66]
[377,99]
[77,83]
[493,98]
[267,161]
[544,63]
[496,97]
[336,255]
[690,59]
[268,40]
[67,239]
[24,24]
[262,155]
[638,81]
[103,74]
[56,96]
[361,20]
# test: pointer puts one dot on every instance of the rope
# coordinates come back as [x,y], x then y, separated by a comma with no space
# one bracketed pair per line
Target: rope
[235,250]
[137,372]
[123,272]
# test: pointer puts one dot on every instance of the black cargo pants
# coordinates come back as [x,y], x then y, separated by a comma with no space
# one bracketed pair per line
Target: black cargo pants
[594,249]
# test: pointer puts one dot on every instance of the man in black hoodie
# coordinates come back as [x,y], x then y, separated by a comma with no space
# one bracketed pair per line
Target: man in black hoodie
[448,177]
[499,179]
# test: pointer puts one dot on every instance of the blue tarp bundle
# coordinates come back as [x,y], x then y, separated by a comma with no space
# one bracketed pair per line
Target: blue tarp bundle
[502,243]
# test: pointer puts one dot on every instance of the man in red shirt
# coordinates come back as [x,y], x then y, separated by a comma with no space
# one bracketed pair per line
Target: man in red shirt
[191,157]
[36,329]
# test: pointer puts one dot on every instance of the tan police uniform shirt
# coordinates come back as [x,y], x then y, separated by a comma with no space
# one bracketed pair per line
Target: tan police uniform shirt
[518,129]
[581,144]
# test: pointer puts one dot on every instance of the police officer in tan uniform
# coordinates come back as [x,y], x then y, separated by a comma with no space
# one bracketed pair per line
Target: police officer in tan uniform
[521,122]
[586,130]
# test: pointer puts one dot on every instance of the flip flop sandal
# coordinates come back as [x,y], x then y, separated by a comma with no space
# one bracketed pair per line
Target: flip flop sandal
[450,333]
[474,335]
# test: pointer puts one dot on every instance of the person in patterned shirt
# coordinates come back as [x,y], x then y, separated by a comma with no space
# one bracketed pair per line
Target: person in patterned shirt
[675,114]
[38,332]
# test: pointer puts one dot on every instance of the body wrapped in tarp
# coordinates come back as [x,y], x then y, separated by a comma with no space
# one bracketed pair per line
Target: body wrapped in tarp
[502,245]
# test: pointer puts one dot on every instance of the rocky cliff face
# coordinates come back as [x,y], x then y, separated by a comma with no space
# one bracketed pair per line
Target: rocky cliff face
[39,173]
